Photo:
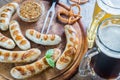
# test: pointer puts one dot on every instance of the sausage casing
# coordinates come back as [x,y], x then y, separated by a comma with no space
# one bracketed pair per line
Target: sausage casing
[19,56]
[6,13]
[6,42]
[25,71]
[17,36]
[70,50]
[43,39]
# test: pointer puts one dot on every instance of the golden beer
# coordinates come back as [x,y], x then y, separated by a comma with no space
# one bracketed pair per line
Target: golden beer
[103,9]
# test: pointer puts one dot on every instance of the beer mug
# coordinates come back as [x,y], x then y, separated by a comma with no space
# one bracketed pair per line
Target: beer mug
[103,61]
[103,9]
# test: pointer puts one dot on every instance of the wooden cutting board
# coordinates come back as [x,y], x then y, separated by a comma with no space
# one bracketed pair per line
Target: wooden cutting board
[56,28]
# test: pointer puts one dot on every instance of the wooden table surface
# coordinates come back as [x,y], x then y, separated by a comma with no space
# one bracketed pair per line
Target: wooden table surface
[86,12]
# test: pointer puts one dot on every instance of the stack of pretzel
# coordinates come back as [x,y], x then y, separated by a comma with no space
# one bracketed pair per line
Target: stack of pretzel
[71,16]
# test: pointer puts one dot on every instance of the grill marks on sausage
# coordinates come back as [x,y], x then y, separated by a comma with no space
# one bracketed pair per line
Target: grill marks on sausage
[18,37]
[71,39]
[74,41]
[2,21]
[6,10]
[4,15]
[69,53]
[70,31]
[45,37]
[38,65]
[3,39]
[31,32]
[69,45]
[13,27]
[27,54]
[6,55]
[64,59]
[45,62]
[30,68]
[16,32]
[14,56]
[21,70]
[10,43]
[52,37]
[23,42]
[38,35]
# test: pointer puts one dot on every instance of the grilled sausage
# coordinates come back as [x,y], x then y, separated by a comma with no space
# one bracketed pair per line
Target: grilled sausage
[17,36]
[6,13]
[6,42]
[43,39]
[25,71]
[71,46]
[19,56]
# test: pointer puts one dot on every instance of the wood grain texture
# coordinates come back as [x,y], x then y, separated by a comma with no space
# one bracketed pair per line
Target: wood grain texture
[57,28]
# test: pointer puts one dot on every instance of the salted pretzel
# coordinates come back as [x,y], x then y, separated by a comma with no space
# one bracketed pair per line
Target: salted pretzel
[79,1]
[71,16]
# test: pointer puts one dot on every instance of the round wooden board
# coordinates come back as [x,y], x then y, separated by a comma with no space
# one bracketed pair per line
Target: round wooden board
[56,28]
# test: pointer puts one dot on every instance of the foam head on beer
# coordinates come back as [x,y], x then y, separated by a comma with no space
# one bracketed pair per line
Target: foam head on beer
[109,37]
[110,6]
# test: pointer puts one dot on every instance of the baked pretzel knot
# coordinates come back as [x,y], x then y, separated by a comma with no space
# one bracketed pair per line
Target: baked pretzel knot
[71,17]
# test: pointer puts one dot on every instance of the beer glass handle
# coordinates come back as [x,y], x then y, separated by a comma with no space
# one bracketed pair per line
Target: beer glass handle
[85,69]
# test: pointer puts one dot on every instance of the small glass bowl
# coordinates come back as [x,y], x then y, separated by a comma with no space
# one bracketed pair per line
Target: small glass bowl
[27,10]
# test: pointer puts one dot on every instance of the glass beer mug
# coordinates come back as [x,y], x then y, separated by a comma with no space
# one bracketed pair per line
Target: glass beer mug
[103,61]
[103,9]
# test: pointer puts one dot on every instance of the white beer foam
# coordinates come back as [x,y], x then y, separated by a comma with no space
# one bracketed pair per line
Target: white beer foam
[110,37]
[110,6]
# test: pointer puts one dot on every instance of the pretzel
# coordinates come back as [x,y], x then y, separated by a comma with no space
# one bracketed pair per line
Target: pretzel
[72,18]
[79,1]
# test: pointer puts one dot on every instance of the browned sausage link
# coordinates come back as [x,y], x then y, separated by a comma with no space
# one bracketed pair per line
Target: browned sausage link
[31,68]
